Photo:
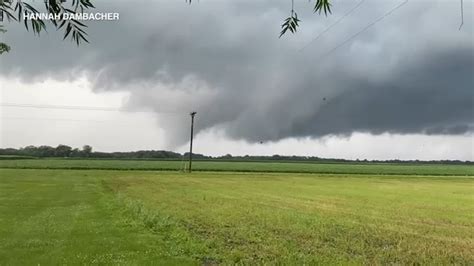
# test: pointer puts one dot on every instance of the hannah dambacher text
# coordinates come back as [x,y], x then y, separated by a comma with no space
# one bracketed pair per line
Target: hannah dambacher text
[71,16]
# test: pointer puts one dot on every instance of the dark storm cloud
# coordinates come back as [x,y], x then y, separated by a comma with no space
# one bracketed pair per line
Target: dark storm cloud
[409,74]
[435,97]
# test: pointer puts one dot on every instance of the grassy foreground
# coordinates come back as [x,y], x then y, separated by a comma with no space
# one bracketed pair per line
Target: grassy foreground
[262,167]
[132,217]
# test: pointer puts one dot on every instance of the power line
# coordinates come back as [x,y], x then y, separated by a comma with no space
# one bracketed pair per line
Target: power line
[56,119]
[82,108]
[364,29]
[334,24]
[462,14]
[68,107]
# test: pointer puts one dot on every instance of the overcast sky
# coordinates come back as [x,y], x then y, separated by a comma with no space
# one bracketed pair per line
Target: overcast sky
[400,89]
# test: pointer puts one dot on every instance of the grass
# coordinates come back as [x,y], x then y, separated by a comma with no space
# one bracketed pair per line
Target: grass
[62,217]
[145,217]
[332,168]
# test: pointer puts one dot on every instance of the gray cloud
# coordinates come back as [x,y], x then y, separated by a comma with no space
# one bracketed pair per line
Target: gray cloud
[411,73]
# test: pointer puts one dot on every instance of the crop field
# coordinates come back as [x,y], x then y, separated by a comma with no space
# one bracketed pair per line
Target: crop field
[52,212]
[278,167]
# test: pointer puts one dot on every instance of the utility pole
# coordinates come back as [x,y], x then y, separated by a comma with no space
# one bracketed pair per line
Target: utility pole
[191,142]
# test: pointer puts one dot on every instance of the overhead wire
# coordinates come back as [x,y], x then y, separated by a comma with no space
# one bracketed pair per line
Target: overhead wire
[388,13]
[334,24]
[84,108]
[57,119]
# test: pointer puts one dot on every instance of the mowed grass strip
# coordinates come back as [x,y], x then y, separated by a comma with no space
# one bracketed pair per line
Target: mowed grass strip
[133,217]
[264,167]
[67,217]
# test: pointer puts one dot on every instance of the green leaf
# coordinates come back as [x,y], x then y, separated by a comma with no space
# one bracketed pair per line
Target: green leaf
[322,6]
[68,30]
[291,23]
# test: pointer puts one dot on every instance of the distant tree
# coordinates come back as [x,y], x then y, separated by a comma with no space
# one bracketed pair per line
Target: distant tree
[46,151]
[227,156]
[62,151]
[76,153]
[87,150]
[41,151]
[197,156]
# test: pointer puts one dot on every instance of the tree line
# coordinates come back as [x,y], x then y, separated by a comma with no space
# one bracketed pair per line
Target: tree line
[48,151]
[64,151]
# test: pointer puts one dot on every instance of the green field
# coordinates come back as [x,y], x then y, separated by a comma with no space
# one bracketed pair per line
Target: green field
[321,168]
[64,216]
